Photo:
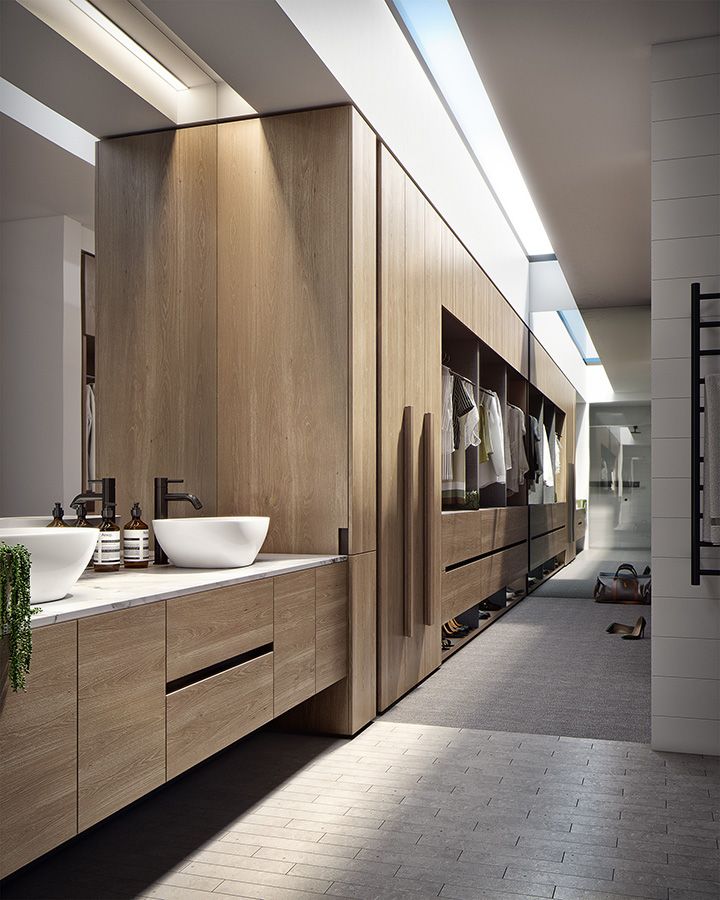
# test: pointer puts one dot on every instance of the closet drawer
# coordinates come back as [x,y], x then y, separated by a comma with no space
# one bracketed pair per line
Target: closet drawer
[475,532]
[547,517]
[211,714]
[208,628]
[466,585]
[580,523]
[547,546]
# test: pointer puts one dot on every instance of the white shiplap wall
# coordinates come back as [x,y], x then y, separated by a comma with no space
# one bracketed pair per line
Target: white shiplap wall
[685,248]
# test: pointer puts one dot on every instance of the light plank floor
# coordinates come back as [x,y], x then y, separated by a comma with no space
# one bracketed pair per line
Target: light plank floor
[409,811]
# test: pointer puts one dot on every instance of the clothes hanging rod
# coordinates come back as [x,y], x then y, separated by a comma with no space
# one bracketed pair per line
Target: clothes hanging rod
[710,324]
[713,296]
[714,352]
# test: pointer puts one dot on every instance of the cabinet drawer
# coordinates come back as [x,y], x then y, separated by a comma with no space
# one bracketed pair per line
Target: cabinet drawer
[211,714]
[208,628]
[470,533]
[545,547]
[580,523]
[546,517]
[466,585]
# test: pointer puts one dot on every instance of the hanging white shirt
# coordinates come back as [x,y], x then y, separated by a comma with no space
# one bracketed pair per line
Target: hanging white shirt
[494,470]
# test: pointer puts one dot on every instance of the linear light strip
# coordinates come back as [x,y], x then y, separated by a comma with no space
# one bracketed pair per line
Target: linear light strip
[100,19]
[33,114]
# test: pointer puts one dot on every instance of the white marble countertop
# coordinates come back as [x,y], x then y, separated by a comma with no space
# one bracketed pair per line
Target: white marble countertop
[99,592]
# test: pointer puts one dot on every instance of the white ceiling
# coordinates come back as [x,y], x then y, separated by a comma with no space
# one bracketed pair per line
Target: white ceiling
[570,82]
[38,178]
[622,339]
[255,48]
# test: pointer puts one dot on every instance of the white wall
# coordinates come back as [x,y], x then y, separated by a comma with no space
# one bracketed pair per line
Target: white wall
[364,48]
[685,248]
[40,363]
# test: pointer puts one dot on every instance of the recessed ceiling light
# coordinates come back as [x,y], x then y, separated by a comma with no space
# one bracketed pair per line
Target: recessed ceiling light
[121,37]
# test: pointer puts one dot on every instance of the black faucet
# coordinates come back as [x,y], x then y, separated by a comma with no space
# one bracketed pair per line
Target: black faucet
[106,494]
[162,498]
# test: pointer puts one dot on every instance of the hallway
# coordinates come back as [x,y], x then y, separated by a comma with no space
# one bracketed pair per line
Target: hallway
[547,667]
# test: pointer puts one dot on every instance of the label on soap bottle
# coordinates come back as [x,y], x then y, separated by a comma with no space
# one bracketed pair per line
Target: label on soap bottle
[107,549]
[136,545]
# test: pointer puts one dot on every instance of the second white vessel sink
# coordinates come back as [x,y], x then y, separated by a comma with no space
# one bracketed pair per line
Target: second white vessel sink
[58,557]
[222,542]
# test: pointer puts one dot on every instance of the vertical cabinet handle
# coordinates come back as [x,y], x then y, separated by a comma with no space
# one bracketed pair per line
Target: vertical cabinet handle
[429,511]
[408,522]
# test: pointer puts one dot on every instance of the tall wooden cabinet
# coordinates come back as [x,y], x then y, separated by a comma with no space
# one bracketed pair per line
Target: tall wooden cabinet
[408,434]
[237,328]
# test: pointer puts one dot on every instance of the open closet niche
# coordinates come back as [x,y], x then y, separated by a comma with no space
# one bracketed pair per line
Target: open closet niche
[484,494]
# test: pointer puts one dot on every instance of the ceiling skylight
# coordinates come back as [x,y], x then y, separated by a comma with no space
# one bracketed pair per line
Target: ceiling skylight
[575,324]
[438,39]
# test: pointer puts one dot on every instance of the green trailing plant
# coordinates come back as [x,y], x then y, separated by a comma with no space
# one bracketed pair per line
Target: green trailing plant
[15,611]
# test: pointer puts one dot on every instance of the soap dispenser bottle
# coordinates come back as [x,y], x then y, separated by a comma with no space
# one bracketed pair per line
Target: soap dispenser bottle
[57,521]
[82,522]
[136,541]
[107,549]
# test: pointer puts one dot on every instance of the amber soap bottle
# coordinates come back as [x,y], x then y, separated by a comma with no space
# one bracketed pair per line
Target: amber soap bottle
[57,521]
[136,541]
[107,550]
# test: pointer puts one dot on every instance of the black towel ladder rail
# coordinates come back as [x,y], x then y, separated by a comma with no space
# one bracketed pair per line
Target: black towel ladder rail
[696,298]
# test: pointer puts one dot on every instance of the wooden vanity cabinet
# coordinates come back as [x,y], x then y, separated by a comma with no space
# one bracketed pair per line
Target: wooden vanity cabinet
[121,709]
[38,750]
[294,639]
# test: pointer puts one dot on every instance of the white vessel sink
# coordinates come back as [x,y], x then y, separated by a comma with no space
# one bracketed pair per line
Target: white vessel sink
[58,557]
[222,542]
[25,521]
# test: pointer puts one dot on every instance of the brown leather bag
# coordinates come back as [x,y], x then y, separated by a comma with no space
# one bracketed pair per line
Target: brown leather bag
[623,586]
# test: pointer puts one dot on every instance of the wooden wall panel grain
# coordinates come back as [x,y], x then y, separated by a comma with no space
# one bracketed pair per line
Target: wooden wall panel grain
[548,378]
[283,314]
[294,639]
[408,648]
[363,338]
[156,314]
[38,750]
[209,628]
[121,709]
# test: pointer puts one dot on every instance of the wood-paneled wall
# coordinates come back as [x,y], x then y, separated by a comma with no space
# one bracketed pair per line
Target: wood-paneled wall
[156,378]
[471,297]
[283,312]
[549,378]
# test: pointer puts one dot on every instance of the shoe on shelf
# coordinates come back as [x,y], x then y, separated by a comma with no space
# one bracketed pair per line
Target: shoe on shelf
[483,614]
